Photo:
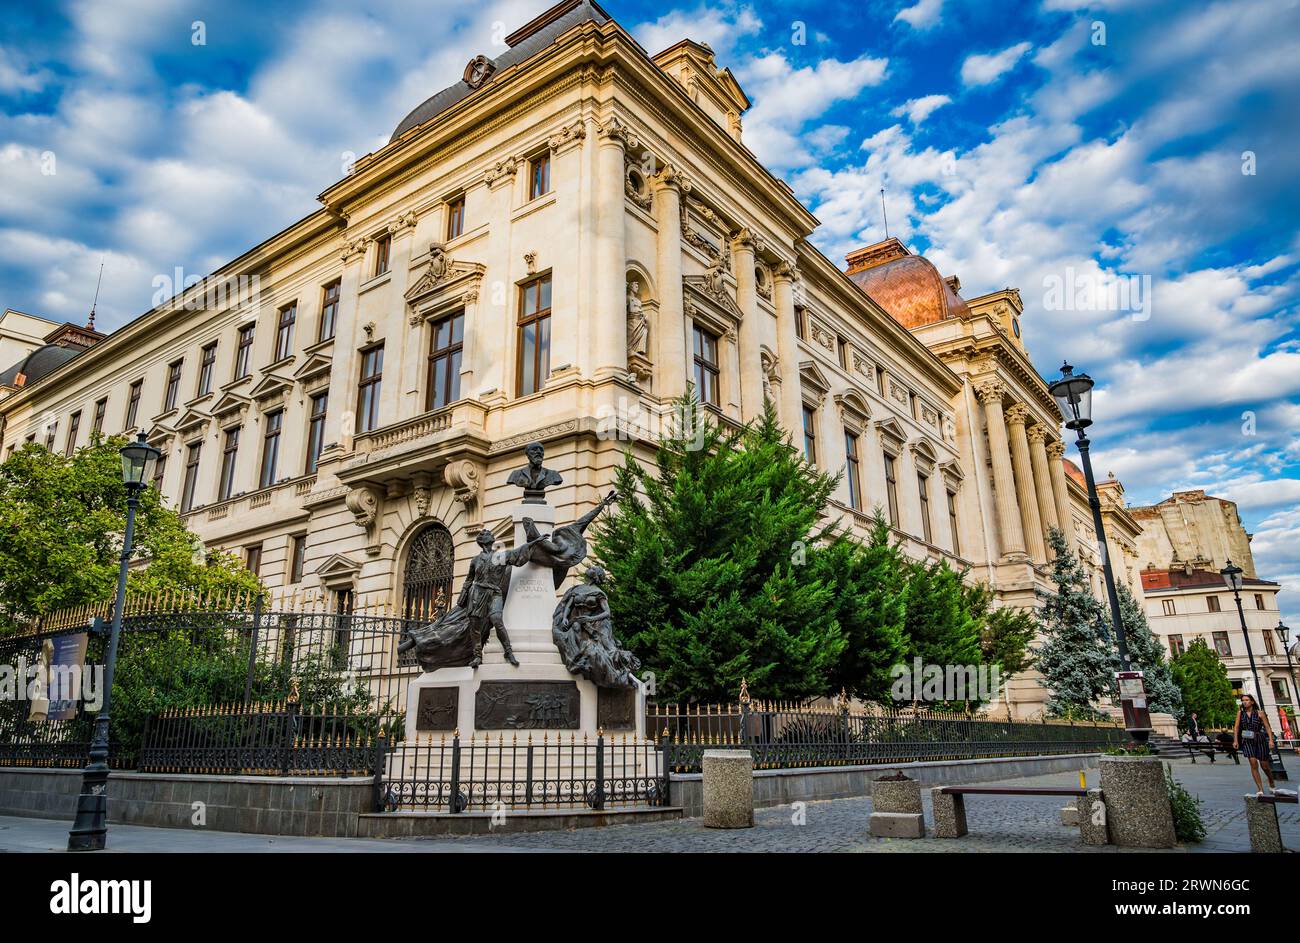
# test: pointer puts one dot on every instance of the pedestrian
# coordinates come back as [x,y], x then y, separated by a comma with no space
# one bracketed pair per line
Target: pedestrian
[1194,727]
[1253,736]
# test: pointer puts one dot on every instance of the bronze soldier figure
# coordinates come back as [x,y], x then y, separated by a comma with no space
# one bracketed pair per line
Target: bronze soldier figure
[483,595]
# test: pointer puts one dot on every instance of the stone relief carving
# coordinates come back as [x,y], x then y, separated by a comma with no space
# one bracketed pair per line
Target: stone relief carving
[500,170]
[988,391]
[617,130]
[570,135]
[466,480]
[363,502]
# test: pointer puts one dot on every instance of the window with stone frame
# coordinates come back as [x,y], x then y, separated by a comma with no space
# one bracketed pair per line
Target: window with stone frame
[446,344]
[369,388]
[891,488]
[853,469]
[533,356]
[284,331]
[704,345]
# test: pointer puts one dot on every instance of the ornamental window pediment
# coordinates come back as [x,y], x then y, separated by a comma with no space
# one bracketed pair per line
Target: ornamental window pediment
[442,279]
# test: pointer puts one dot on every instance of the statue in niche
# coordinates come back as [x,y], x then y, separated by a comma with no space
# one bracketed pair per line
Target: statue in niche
[583,632]
[534,478]
[638,326]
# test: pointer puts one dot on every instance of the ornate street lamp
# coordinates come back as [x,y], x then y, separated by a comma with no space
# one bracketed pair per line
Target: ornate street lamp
[1232,576]
[1284,636]
[90,828]
[1073,394]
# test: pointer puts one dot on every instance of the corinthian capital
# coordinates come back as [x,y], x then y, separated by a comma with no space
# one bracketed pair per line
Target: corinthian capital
[990,391]
[1037,433]
[1017,414]
[1056,449]
[672,177]
[615,131]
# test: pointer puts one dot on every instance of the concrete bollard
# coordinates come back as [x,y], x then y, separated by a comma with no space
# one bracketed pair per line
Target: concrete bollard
[949,814]
[1261,821]
[1137,802]
[728,789]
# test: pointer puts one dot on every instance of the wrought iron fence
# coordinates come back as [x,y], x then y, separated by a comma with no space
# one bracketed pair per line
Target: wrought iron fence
[452,775]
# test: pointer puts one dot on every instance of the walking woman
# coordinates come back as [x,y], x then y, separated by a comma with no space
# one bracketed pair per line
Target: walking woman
[1254,738]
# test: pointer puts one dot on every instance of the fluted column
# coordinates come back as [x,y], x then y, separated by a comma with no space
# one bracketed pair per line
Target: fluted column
[610,316]
[1032,525]
[671,327]
[787,349]
[1060,489]
[1043,482]
[751,365]
[1009,529]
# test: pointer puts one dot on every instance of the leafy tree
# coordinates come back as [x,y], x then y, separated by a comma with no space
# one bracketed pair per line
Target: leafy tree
[1204,685]
[1148,656]
[1005,632]
[62,519]
[719,563]
[1078,666]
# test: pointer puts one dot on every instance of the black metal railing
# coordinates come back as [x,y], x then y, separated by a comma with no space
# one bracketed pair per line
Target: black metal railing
[454,775]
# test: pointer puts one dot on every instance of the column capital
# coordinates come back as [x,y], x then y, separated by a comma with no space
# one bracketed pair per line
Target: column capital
[743,240]
[1056,449]
[1017,414]
[990,391]
[670,177]
[573,134]
[785,271]
[501,171]
[1037,433]
[615,131]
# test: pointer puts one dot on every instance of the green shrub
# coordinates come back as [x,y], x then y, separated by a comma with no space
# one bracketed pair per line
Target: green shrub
[1188,826]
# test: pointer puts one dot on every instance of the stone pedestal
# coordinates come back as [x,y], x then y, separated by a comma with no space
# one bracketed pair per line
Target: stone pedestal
[1092,819]
[728,789]
[897,825]
[949,814]
[1137,802]
[1261,821]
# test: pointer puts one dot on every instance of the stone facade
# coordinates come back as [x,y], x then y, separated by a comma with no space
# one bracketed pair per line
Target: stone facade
[372,373]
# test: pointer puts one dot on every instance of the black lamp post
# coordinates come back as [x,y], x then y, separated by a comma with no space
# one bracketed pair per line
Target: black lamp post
[1284,636]
[1232,576]
[90,829]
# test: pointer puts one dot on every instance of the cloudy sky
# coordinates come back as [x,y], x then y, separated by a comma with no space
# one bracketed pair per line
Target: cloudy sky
[1133,166]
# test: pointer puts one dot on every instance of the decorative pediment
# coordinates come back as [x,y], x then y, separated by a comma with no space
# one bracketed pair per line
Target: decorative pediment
[271,387]
[314,365]
[709,292]
[229,404]
[854,408]
[891,433]
[441,273]
[338,572]
[812,378]
[192,421]
[160,437]
[924,456]
[952,473]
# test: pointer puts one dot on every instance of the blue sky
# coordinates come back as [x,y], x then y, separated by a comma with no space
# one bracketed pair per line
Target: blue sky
[1136,142]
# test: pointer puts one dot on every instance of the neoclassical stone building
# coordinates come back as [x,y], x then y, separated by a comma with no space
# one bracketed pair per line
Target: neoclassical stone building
[553,248]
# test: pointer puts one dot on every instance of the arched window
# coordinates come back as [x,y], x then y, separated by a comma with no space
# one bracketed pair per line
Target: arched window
[426,583]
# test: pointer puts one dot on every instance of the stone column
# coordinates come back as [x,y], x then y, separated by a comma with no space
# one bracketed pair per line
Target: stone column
[1011,537]
[672,357]
[610,310]
[1060,489]
[790,408]
[1031,523]
[340,418]
[1043,480]
[751,367]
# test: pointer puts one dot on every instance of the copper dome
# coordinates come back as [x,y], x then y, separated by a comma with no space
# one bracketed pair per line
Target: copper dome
[907,286]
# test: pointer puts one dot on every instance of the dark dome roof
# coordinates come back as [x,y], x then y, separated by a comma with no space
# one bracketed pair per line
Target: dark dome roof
[552,25]
[37,365]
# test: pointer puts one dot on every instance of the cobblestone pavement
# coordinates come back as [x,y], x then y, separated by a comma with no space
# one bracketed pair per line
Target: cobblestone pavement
[997,823]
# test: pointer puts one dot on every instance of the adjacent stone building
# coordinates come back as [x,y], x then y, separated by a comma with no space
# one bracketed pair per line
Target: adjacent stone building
[552,249]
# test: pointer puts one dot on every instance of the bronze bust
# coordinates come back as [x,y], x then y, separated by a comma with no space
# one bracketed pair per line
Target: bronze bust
[533,477]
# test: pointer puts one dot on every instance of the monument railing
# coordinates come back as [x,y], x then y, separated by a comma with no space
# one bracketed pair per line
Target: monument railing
[536,771]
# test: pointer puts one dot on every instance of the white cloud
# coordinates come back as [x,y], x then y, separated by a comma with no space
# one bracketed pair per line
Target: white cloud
[923,15]
[718,25]
[984,69]
[918,109]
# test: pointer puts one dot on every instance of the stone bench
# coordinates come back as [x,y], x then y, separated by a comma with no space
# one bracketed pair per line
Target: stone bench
[1261,822]
[950,803]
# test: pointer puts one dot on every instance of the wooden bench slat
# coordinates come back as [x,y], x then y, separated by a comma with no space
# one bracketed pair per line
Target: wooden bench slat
[1011,791]
[1276,799]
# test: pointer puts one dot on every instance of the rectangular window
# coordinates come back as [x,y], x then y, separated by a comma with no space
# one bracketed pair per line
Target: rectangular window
[1213,603]
[159,469]
[229,454]
[952,522]
[891,488]
[455,217]
[1270,642]
[1167,606]
[1259,601]
[133,404]
[329,309]
[383,247]
[798,323]
[372,378]
[244,352]
[284,331]
[97,425]
[253,559]
[706,365]
[810,435]
[923,486]
[842,352]
[207,362]
[539,175]
[443,380]
[192,454]
[173,385]
[74,426]
[297,557]
[853,467]
[1281,691]
[534,357]
[51,432]
[1222,645]
[316,430]
[271,447]
[1176,646]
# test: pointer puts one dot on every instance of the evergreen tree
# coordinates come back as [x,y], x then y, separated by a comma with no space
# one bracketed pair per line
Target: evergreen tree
[714,563]
[1077,665]
[1203,682]
[939,628]
[1148,656]
[1005,632]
